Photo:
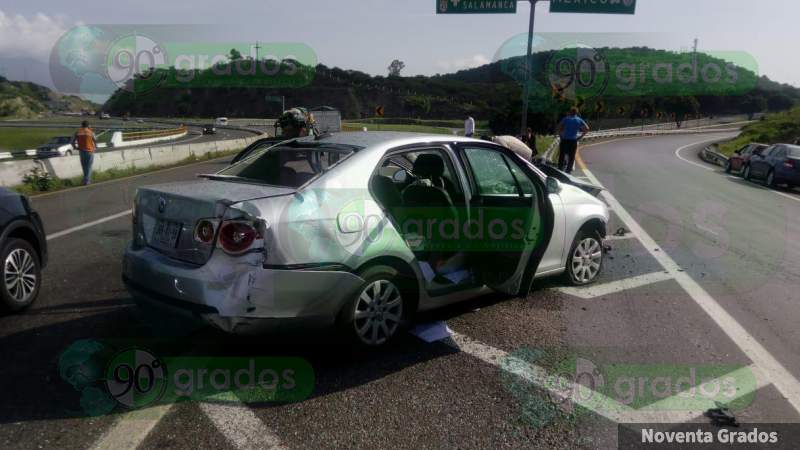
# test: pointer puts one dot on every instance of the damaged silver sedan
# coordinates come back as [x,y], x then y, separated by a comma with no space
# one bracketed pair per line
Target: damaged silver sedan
[359,231]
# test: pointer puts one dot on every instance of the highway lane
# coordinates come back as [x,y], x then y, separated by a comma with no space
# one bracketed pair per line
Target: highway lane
[737,240]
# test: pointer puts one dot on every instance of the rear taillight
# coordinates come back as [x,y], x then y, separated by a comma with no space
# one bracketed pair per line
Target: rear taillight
[204,231]
[790,163]
[237,237]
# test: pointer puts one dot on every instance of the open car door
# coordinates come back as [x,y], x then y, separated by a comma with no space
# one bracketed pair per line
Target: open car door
[509,206]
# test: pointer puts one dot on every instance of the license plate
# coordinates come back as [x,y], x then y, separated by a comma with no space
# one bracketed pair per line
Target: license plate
[166,233]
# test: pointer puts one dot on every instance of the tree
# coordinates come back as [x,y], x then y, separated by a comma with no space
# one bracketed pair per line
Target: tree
[396,67]
[753,104]
[235,55]
[779,102]
[680,108]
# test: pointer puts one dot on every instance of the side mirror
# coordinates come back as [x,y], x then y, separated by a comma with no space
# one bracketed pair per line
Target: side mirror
[553,185]
[400,176]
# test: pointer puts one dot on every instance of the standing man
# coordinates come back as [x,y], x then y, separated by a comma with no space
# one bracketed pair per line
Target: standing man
[530,140]
[469,127]
[571,129]
[86,143]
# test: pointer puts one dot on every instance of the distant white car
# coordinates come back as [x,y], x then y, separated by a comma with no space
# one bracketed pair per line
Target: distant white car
[221,121]
[58,146]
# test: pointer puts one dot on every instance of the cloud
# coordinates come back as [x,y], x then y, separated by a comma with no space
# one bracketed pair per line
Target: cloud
[463,63]
[29,37]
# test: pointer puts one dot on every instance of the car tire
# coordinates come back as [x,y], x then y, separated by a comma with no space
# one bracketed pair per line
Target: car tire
[770,180]
[746,173]
[728,167]
[69,153]
[21,275]
[378,309]
[585,261]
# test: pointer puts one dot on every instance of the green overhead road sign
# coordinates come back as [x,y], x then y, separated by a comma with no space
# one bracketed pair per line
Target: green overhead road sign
[274,98]
[476,6]
[593,6]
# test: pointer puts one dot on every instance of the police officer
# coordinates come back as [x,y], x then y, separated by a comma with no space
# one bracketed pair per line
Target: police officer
[86,143]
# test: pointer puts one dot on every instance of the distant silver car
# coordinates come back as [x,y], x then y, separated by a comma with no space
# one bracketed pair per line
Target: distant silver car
[57,146]
[358,231]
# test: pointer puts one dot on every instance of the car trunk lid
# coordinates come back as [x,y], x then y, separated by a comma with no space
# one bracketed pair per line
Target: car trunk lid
[168,213]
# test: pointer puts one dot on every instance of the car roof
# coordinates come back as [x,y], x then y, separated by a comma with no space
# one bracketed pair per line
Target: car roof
[381,139]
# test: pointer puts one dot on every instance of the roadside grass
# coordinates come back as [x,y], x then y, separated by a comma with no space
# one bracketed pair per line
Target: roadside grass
[776,128]
[59,184]
[14,139]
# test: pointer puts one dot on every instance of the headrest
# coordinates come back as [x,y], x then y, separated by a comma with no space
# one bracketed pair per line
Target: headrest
[385,191]
[428,166]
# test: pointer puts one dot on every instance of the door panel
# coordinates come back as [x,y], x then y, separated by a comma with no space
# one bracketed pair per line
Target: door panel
[509,204]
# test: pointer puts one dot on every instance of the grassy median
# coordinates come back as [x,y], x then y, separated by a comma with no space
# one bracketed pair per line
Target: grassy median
[42,183]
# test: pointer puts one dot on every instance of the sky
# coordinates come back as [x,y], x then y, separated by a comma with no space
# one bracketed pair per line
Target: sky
[367,35]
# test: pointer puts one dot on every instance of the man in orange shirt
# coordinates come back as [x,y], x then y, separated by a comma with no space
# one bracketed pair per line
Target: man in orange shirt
[86,142]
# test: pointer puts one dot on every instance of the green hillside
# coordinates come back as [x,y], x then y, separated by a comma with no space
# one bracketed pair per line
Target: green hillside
[491,92]
[24,100]
[777,128]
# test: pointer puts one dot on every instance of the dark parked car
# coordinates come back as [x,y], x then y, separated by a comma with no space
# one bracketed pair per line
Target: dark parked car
[23,251]
[209,129]
[741,158]
[779,164]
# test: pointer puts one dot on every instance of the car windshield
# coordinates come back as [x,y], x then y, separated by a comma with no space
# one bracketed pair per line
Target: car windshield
[794,151]
[285,166]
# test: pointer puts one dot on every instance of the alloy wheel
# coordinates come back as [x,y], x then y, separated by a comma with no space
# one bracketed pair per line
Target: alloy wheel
[771,179]
[586,260]
[379,310]
[20,275]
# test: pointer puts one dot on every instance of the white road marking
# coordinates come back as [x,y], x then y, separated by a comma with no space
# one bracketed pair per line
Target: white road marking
[678,154]
[620,238]
[783,380]
[241,426]
[131,429]
[88,225]
[706,229]
[790,197]
[599,290]
[567,391]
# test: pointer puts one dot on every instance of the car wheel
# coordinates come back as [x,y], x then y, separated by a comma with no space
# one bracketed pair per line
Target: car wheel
[771,179]
[377,311]
[585,258]
[21,275]
[747,173]
[728,167]
[69,152]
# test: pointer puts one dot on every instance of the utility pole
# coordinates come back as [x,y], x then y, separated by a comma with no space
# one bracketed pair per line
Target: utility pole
[528,69]
[257,47]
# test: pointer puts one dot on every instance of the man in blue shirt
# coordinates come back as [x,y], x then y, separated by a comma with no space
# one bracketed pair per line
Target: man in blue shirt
[569,129]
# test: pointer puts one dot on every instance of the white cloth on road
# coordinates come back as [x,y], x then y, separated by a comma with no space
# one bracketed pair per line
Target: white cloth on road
[515,145]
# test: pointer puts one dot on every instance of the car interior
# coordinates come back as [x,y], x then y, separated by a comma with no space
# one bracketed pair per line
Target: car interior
[289,167]
[419,186]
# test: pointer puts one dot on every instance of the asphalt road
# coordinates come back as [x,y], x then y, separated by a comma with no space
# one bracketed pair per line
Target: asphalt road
[733,239]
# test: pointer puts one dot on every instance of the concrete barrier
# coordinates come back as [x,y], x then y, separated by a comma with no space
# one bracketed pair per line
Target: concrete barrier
[12,172]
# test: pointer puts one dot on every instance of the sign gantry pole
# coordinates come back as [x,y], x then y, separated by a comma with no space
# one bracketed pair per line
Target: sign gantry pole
[528,70]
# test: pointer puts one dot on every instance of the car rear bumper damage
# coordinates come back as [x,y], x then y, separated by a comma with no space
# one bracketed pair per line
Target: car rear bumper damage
[238,295]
